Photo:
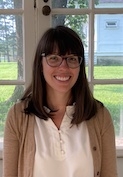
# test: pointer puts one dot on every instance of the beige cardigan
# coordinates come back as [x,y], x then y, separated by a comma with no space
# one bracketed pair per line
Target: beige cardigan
[19,143]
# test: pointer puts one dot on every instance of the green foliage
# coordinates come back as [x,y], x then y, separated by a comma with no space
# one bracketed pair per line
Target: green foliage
[77,22]
[77,4]
[8,43]
[10,26]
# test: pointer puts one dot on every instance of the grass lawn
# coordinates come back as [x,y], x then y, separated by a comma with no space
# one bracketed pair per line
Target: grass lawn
[110,95]
[108,72]
[8,70]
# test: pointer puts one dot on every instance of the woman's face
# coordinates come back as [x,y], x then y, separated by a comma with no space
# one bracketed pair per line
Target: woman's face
[61,78]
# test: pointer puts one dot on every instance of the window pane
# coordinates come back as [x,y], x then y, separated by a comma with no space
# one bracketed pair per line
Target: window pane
[108,54]
[70,4]
[10,4]
[11,47]
[10,94]
[78,23]
[112,97]
[108,3]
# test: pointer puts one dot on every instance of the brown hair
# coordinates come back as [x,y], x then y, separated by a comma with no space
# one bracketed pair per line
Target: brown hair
[67,41]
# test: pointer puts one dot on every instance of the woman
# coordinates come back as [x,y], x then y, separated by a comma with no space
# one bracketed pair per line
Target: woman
[58,129]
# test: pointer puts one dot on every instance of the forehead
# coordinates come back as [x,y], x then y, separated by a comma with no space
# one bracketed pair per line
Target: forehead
[61,46]
[62,49]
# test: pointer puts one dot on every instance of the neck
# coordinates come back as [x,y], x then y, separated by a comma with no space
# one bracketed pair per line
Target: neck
[58,101]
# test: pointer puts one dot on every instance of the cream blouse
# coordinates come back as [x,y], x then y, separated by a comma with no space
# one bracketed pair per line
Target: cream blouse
[62,153]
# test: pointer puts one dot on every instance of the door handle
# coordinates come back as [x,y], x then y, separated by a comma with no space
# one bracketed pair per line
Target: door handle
[46,10]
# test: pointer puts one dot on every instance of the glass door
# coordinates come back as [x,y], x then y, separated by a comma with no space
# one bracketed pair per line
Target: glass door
[16,51]
[100,26]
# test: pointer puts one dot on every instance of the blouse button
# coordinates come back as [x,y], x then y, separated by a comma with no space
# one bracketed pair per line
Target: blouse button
[61,141]
[94,148]
[63,152]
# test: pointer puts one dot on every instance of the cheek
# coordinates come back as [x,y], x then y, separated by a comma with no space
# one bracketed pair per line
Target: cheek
[46,70]
[44,66]
[77,73]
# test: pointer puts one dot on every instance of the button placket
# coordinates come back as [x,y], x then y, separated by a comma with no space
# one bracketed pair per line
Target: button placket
[61,143]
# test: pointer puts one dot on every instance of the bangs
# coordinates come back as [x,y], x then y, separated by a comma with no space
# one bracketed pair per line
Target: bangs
[57,41]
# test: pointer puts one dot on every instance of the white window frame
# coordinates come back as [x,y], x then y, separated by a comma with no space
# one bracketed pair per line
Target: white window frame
[29,43]
[29,39]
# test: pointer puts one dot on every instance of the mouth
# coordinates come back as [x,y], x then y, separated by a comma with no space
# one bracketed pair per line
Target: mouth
[63,79]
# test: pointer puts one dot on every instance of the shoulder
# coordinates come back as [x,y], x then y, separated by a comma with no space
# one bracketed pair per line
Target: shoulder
[16,116]
[18,107]
[15,110]
[102,120]
[103,115]
[101,126]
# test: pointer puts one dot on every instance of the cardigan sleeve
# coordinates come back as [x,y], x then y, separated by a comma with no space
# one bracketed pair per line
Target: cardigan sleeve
[19,143]
[11,146]
[108,160]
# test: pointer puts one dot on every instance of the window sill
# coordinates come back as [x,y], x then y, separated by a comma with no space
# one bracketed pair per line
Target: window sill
[119,152]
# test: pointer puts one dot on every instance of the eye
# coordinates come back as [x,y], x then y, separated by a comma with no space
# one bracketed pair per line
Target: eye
[53,58]
[73,59]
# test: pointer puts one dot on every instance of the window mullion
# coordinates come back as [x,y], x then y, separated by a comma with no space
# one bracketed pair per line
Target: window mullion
[91,50]
[29,39]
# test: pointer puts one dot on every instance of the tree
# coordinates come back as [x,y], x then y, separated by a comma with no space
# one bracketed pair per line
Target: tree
[12,38]
[76,22]
[7,36]
[19,35]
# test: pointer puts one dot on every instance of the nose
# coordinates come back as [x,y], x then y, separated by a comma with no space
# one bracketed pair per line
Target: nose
[64,64]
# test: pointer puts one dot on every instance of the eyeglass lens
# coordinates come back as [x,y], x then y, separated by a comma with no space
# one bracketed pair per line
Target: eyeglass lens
[56,60]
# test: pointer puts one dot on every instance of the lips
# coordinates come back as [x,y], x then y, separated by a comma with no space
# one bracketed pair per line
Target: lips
[63,79]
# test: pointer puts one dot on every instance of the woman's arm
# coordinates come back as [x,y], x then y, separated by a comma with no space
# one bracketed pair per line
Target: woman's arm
[108,162]
[11,146]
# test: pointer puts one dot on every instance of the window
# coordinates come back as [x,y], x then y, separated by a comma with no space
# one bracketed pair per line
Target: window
[100,25]
[16,51]
[21,26]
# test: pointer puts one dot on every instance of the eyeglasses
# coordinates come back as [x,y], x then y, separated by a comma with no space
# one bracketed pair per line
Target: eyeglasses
[54,60]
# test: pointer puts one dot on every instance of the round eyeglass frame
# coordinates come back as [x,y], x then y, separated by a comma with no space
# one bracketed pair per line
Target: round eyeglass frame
[63,58]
